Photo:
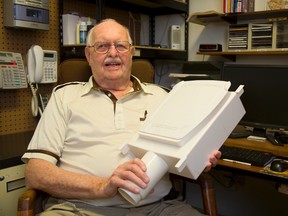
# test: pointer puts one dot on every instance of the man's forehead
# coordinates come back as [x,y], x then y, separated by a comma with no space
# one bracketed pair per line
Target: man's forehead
[110,35]
[110,31]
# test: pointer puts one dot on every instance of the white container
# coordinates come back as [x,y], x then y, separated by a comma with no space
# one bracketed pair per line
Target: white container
[69,28]
[156,168]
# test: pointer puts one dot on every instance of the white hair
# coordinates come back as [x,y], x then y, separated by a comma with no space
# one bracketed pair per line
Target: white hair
[89,36]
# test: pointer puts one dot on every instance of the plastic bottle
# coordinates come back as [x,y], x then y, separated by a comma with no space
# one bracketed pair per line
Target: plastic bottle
[83,32]
[89,24]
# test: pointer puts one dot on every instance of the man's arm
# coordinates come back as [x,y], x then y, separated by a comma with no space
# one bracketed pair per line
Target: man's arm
[45,176]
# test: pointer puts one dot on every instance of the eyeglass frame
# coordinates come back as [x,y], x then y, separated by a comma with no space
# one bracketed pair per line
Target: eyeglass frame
[110,45]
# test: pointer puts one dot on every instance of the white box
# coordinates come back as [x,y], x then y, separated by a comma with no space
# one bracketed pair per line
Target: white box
[69,22]
[192,122]
[175,37]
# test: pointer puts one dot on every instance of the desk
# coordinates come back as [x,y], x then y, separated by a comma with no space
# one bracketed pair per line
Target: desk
[278,151]
[12,182]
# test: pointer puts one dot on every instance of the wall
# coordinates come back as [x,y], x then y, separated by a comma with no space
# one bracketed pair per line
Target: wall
[15,114]
[211,33]
[162,30]
[15,107]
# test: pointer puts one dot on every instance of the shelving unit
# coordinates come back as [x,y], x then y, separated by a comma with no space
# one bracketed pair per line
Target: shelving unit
[77,51]
[238,37]
[147,7]
[234,18]
[254,52]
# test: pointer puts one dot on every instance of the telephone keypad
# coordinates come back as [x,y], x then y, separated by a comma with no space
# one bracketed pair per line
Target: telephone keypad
[50,68]
[11,79]
[12,71]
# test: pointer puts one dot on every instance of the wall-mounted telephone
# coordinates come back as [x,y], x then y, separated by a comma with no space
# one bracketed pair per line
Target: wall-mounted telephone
[41,65]
[12,72]
[41,68]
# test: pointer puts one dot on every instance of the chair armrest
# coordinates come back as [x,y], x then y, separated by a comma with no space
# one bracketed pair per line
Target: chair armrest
[26,203]
[31,202]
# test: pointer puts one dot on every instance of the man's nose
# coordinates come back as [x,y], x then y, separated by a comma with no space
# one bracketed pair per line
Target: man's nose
[112,51]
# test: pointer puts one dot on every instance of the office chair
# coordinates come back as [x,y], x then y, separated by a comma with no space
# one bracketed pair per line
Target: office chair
[74,70]
[79,70]
[29,203]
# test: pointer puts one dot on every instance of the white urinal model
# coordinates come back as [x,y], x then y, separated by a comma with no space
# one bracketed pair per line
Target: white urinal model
[191,123]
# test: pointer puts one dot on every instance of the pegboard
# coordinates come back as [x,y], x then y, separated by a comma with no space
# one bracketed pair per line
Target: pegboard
[15,105]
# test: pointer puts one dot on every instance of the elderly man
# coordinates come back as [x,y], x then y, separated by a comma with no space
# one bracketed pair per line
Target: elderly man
[75,155]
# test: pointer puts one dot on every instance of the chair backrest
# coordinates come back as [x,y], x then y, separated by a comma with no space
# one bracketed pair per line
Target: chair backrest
[79,70]
[74,70]
[143,70]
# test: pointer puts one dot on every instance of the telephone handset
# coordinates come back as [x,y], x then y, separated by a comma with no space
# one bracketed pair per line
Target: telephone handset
[41,65]
[41,68]
[35,64]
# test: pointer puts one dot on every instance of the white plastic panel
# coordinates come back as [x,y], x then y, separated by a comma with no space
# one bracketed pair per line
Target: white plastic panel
[187,114]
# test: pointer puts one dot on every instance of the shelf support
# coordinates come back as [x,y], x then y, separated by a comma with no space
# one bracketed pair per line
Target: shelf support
[100,9]
[152,30]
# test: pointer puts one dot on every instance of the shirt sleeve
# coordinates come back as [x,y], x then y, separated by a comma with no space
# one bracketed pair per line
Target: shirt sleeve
[49,137]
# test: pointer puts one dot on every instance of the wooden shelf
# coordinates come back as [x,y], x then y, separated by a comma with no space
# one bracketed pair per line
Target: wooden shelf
[155,7]
[272,15]
[270,52]
[232,54]
[77,51]
[268,15]
[149,7]
[159,53]
[212,16]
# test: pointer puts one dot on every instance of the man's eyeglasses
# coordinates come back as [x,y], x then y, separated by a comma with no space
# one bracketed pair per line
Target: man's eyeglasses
[104,47]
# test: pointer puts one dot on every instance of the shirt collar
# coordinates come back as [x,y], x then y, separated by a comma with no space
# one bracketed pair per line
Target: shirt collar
[137,86]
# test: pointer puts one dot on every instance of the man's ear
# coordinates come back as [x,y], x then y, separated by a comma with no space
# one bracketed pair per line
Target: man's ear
[132,51]
[87,54]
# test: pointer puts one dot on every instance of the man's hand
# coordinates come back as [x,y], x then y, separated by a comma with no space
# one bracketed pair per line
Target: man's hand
[213,159]
[133,171]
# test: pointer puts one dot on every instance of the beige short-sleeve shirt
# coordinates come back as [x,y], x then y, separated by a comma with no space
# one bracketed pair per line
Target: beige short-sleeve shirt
[83,129]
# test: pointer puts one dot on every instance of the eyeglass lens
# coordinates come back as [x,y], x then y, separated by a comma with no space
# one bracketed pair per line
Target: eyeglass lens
[104,47]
